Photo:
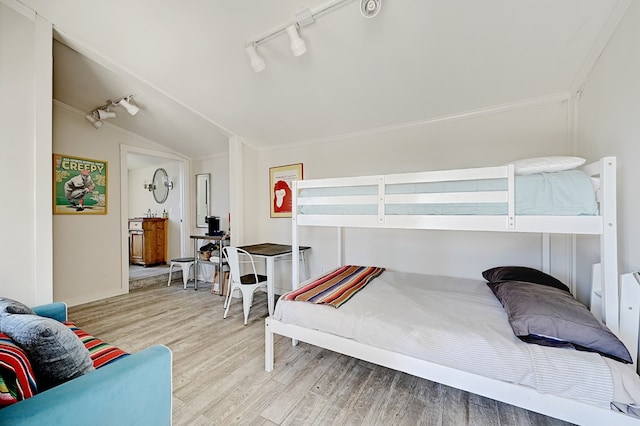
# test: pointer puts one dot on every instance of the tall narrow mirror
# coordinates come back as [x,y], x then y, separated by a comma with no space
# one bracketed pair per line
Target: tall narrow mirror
[203,199]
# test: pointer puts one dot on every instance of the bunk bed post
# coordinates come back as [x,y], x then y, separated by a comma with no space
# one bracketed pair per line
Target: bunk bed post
[268,346]
[609,244]
[546,253]
[339,248]
[511,202]
[630,313]
[295,245]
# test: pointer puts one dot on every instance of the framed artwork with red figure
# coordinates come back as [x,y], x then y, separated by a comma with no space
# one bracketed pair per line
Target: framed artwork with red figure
[280,179]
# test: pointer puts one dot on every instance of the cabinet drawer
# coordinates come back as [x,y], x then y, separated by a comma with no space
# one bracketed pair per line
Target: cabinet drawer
[135,225]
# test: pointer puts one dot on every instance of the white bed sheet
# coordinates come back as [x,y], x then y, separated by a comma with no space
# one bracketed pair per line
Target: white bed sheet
[458,323]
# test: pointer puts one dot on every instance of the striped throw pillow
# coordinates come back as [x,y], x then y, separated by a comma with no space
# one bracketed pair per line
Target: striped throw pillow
[17,381]
[101,352]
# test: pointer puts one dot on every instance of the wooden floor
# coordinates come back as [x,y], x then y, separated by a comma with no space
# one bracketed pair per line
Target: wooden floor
[219,377]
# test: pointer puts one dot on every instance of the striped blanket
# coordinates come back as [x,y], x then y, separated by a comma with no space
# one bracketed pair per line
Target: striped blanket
[100,352]
[335,287]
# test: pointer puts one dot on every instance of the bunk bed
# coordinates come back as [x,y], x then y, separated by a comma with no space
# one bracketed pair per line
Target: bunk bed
[478,199]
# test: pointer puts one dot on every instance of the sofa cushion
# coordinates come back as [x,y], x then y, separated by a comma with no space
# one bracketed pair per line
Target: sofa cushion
[101,352]
[17,381]
[14,307]
[55,352]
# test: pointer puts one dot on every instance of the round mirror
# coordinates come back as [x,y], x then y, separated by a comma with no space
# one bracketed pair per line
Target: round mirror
[160,187]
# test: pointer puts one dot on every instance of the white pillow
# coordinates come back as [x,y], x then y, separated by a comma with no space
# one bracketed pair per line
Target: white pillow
[528,166]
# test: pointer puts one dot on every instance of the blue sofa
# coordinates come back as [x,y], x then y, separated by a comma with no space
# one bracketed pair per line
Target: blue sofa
[135,390]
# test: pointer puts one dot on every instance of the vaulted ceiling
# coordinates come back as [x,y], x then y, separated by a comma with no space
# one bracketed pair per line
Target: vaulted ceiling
[416,60]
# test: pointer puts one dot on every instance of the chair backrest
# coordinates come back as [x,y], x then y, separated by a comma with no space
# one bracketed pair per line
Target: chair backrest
[232,254]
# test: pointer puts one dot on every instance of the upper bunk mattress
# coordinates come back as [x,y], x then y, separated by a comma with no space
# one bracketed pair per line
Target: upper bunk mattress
[567,193]
[460,324]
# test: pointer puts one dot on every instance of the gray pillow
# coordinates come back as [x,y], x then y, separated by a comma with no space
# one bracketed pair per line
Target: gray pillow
[524,274]
[14,307]
[56,353]
[549,316]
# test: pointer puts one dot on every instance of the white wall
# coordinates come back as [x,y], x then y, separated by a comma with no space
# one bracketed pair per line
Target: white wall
[484,140]
[87,251]
[609,124]
[25,164]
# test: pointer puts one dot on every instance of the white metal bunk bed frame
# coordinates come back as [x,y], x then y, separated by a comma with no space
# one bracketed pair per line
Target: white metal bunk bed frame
[604,225]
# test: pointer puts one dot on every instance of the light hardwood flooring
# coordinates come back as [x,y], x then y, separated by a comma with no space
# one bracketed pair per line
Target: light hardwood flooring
[219,377]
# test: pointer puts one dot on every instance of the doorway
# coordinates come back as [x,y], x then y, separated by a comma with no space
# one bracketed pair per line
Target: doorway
[137,172]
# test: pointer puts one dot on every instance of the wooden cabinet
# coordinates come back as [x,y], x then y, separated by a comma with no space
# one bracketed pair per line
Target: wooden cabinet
[147,241]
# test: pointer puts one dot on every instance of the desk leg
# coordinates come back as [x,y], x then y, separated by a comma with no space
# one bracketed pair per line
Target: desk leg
[270,282]
[220,271]
[304,267]
[195,263]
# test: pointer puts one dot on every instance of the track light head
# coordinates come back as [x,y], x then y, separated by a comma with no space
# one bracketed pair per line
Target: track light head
[257,63]
[103,114]
[96,123]
[298,46]
[131,109]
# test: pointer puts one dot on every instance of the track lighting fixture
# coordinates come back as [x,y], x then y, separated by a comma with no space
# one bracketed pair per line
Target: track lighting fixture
[96,123]
[131,109]
[298,46]
[303,18]
[104,112]
[257,63]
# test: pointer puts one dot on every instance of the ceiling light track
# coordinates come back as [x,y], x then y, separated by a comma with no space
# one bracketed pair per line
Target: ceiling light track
[98,115]
[303,18]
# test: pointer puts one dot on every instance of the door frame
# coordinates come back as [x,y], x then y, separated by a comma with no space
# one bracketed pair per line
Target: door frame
[185,196]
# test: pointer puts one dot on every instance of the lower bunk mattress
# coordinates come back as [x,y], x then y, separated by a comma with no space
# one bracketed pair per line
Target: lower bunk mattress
[459,323]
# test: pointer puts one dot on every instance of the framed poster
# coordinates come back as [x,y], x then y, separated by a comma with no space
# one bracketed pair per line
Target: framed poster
[280,179]
[79,185]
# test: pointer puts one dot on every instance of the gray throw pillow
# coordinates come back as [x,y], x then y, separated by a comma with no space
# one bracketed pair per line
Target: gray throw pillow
[549,316]
[56,353]
[14,307]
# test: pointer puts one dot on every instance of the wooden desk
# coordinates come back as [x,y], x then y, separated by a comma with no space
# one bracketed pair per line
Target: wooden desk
[270,252]
[196,254]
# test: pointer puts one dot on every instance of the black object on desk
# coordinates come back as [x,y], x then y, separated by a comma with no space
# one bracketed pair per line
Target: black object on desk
[214,225]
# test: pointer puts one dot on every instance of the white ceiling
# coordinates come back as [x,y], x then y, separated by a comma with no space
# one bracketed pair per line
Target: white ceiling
[417,60]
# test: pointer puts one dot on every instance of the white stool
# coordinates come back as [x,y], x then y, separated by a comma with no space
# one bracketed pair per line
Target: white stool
[186,264]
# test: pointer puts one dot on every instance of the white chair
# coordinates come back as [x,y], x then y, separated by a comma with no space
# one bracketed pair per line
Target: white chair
[247,284]
[186,264]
